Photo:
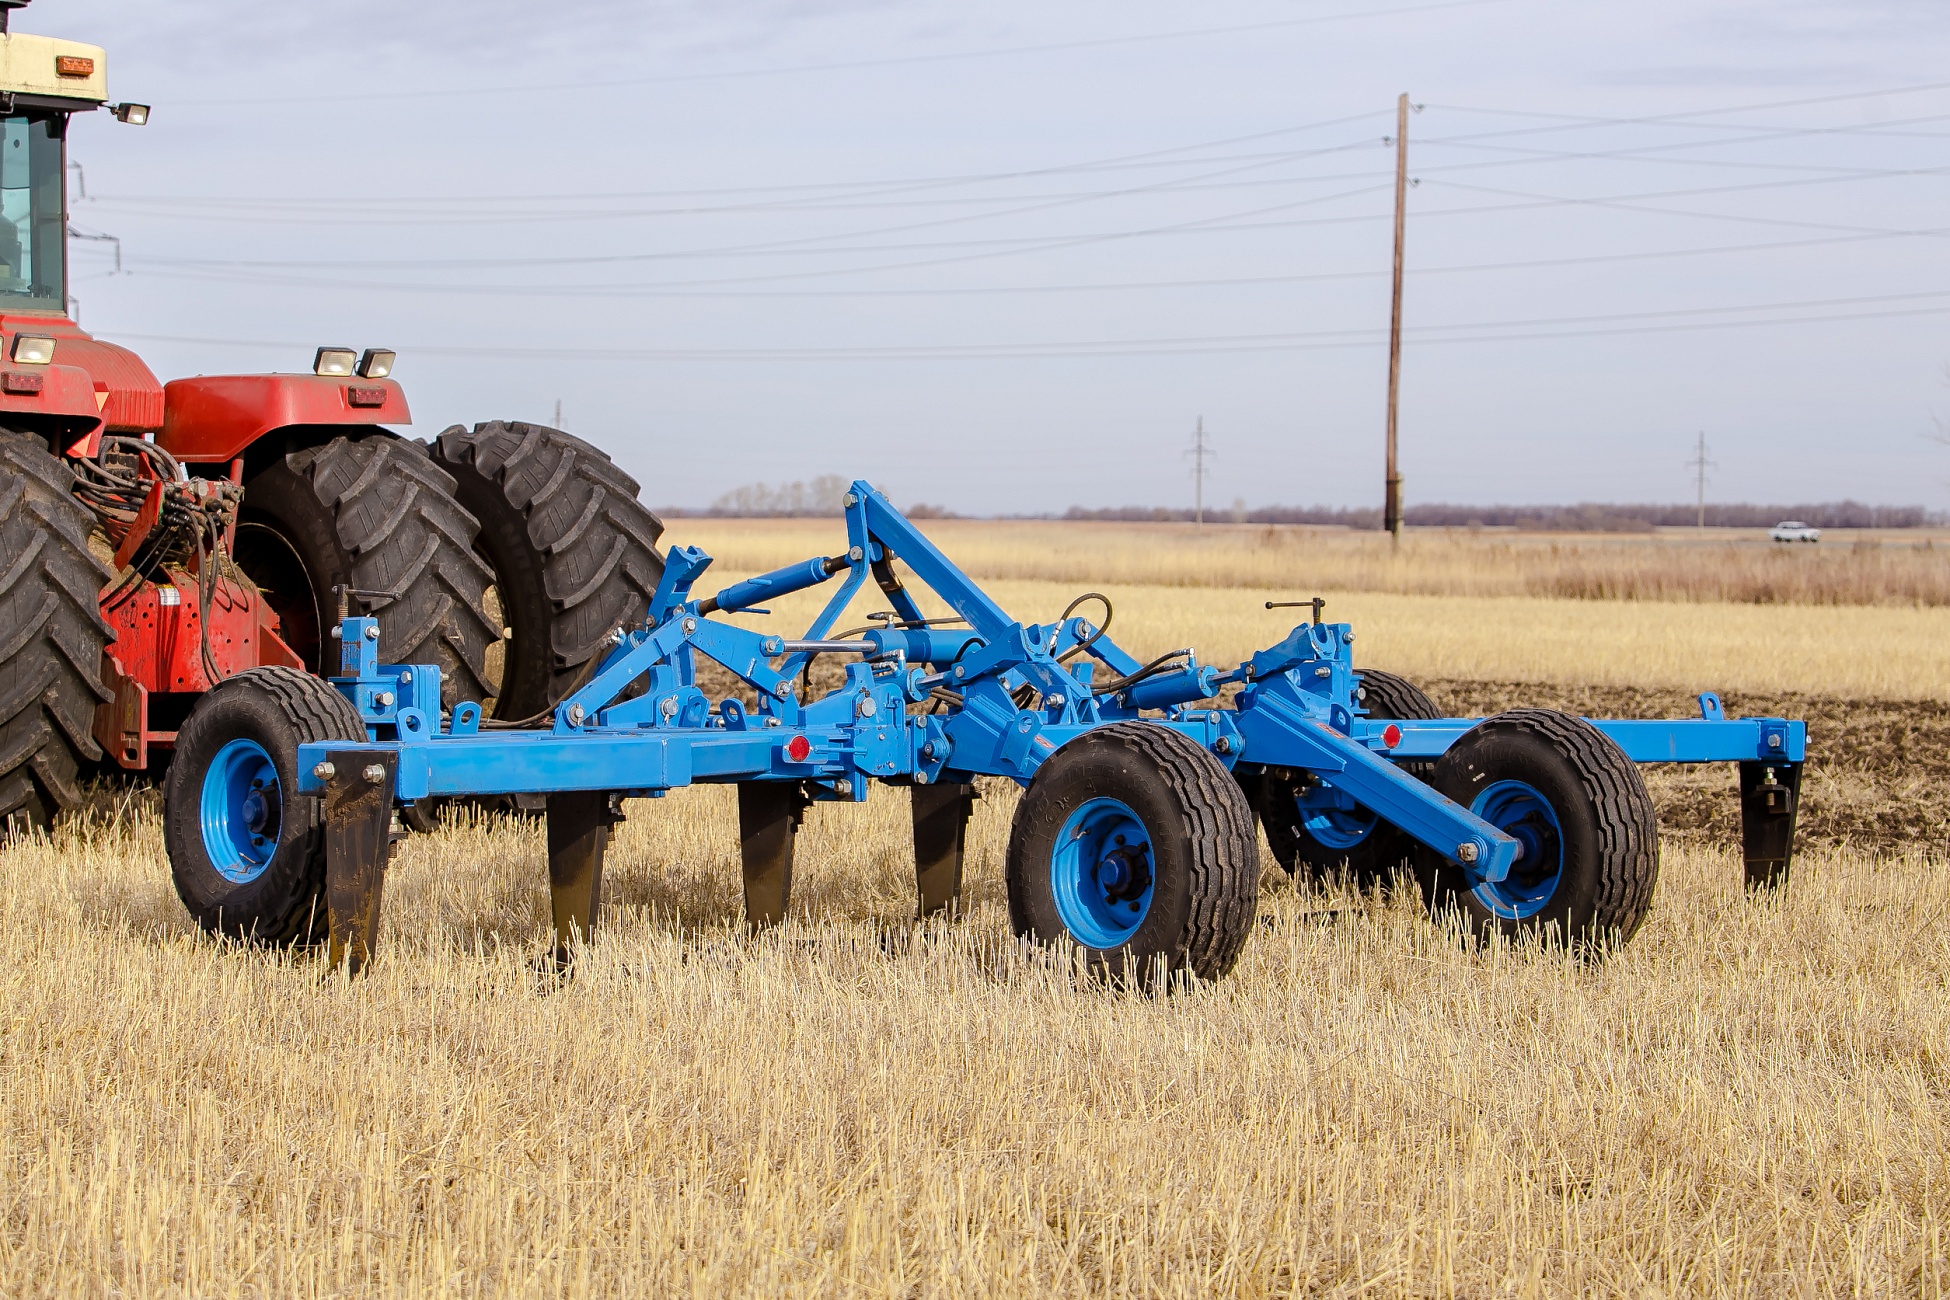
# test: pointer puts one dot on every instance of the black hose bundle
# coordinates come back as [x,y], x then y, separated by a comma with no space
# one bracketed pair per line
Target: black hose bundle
[193,518]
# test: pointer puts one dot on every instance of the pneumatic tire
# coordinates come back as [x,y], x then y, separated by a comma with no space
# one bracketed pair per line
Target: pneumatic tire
[1580,809]
[247,851]
[374,513]
[1136,844]
[1370,850]
[574,552]
[51,635]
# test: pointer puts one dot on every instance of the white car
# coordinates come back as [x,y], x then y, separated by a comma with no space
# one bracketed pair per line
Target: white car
[1793,530]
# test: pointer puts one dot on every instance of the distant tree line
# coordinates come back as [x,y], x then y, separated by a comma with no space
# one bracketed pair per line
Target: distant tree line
[822,496]
[1585,517]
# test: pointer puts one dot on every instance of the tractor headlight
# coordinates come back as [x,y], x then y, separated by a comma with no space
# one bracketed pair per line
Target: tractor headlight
[334,361]
[133,114]
[377,363]
[32,350]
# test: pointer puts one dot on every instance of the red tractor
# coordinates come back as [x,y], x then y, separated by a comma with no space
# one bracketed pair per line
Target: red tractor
[157,538]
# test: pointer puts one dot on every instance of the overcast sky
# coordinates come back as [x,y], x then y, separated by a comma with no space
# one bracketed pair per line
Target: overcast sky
[1002,257]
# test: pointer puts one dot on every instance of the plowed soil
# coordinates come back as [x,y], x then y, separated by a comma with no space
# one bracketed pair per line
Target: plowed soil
[1878,774]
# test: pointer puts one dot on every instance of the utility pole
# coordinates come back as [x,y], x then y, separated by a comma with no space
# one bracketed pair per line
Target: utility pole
[558,413]
[1199,452]
[1391,510]
[1699,465]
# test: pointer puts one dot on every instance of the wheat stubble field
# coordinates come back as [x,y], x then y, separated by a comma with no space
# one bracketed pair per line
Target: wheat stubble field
[1750,1099]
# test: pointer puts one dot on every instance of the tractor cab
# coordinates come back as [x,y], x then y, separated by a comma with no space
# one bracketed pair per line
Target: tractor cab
[58,381]
[226,520]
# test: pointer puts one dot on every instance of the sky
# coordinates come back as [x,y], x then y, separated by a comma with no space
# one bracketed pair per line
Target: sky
[1002,258]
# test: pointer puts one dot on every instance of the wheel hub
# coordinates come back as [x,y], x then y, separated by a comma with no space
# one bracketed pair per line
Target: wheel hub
[1124,872]
[1101,873]
[241,810]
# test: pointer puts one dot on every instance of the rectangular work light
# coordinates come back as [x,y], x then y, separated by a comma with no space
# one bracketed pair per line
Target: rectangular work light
[377,363]
[32,350]
[334,361]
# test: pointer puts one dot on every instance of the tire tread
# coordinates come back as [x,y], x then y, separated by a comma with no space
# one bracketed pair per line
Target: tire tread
[52,633]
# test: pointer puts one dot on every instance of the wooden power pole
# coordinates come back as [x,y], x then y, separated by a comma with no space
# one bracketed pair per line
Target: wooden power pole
[1391,512]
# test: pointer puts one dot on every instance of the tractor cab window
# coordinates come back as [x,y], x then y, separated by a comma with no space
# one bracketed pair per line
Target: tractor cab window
[32,219]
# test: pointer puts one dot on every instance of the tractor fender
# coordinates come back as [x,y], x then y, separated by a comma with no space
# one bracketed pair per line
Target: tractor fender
[51,400]
[126,398]
[217,417]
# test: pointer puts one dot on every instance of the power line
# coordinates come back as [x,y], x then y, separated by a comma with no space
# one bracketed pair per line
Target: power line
[374,211]
[677,289]
[1223,223]
[1183,345]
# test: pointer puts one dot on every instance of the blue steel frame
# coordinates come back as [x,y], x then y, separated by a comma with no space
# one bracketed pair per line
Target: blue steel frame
[1297,708]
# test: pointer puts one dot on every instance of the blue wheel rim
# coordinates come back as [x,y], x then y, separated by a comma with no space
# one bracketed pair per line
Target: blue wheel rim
[1516,808]
[1338,828]
[241,809]
[1103,871]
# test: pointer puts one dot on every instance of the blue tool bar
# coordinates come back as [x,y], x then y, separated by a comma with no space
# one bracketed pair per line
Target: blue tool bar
[1299,710]
[1678,740]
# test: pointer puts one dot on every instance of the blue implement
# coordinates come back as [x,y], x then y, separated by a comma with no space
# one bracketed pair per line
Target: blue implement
[922,703]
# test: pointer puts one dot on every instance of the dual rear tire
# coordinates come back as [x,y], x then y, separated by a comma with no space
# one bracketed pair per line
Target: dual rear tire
[545,520]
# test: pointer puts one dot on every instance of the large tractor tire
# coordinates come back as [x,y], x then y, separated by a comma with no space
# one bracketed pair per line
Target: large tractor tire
[1316,845]
[51,635]
[247,851]
[373,513]
[574,552]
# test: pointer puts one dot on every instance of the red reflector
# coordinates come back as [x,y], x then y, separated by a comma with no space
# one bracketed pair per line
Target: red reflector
[1391,735]
[73,65]
[361,395]
[15,381]
[798,749]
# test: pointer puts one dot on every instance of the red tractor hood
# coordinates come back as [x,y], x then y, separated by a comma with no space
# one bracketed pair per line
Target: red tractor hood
[127,395]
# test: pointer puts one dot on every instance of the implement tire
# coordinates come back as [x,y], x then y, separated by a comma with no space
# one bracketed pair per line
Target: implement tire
[1368,849]
[1135,843]
[574,552]
[247,851]
[1580,809]
[373,513]
[51,635]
